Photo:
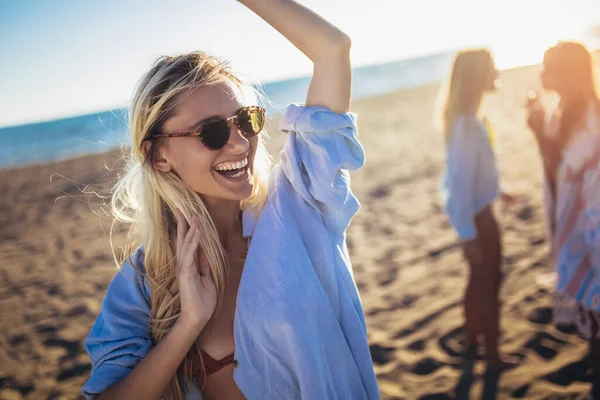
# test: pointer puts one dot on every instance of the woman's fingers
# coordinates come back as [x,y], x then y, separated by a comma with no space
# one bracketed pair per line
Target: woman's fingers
[203,265]
[182,228]
[188,246]
[191,250]
[194,242]
[190,233]
[533,101]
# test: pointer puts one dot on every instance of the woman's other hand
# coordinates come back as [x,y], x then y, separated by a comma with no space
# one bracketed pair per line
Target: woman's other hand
[197,290]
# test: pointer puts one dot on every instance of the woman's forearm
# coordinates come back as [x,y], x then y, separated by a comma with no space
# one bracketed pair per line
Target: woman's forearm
[326,46]
[150,378]
[311,34]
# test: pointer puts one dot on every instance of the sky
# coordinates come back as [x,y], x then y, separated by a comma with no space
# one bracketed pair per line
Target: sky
[68,57]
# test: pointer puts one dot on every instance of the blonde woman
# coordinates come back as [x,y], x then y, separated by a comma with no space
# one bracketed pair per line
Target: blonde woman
[568,137]
[470,188]
[237,290]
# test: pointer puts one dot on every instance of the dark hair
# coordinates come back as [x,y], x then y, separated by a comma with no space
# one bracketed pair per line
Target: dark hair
[573,65]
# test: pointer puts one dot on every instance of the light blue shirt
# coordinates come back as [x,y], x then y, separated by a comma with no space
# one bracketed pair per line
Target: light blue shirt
[471,179]
[299,327]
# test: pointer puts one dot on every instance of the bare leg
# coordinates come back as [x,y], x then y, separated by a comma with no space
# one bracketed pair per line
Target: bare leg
[472,325]
[490,279]
[471,299]
[489,314]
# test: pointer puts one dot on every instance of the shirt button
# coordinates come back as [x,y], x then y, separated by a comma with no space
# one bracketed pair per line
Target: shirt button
[236,364]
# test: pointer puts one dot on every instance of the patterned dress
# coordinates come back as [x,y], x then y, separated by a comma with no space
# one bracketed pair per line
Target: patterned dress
[573,215]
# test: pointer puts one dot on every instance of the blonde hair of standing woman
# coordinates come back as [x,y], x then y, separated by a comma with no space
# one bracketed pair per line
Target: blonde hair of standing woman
[464,91]
[147,198]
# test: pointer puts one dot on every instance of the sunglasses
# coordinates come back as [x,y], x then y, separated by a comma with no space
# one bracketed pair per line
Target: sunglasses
[214,133]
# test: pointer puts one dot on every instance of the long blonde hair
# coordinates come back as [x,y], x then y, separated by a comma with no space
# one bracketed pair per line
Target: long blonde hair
[146,198]
[464,90]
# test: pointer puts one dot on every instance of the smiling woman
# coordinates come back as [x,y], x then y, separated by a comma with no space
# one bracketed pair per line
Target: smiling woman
[198,163]
[230,291]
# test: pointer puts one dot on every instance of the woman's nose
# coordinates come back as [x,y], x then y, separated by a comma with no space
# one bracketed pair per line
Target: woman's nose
[238,142]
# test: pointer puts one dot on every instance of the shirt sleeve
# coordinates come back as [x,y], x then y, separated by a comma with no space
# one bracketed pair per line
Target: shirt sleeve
[461,169]
[320,150]
[120,337]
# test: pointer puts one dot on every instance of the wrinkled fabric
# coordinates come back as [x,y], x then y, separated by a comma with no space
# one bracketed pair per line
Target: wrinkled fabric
[471,178]
[299,327]
[573,215]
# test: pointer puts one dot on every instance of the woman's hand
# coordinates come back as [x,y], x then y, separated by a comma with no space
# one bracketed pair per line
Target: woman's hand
[535,114]
[197,291]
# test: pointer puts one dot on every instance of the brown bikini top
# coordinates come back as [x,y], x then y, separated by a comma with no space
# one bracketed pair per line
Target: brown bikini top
[210,365]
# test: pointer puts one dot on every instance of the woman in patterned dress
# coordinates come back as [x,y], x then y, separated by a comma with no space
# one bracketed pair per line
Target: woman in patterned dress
[569,142]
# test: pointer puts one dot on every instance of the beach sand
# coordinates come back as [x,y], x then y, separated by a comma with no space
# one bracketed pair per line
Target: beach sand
[56,262]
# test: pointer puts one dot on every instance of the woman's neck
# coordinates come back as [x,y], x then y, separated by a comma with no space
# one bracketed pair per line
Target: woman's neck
[472,108]
[225,215]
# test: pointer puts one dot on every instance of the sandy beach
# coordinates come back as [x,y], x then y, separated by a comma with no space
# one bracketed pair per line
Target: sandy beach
[56,262]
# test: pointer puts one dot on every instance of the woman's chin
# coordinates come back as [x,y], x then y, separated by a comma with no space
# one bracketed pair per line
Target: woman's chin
[245,193]
[236,186]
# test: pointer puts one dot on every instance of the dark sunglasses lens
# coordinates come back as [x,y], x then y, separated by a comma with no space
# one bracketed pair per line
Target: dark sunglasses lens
[251,121]
[214,135]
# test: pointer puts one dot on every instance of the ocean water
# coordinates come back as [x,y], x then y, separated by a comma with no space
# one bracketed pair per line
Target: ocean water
[103,131]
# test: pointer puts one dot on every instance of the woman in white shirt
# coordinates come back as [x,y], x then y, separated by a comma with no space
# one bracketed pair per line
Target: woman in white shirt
[470,188]
[235,289]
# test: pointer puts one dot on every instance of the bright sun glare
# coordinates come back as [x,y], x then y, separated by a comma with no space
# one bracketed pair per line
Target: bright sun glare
[524,40]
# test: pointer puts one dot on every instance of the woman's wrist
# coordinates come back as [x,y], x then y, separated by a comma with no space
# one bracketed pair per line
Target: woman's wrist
[188,330]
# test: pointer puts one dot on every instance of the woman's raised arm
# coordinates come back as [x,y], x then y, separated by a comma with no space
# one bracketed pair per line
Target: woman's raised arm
[324,44]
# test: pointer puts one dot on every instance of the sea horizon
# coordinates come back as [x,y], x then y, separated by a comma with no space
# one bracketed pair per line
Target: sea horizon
[102,131]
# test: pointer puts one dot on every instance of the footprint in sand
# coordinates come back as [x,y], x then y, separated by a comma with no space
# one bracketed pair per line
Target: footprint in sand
[537,241]
[521,392]
[435,396]
[574,372]
[415,327]
[17,340]
[525,214]
[453,342]
[417,345]
[72,347]
[425,366]
[380,192]
[540,315]
[77,370]
[380,354]
[47,329]
[545,345]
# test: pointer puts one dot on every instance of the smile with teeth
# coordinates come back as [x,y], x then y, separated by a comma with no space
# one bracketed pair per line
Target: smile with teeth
[233,169]
[229,166]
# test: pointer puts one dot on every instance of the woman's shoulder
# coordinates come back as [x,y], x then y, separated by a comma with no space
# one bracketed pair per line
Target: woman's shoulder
[125,308]
[134,264]
[130,279]
[467,126]
[471,121]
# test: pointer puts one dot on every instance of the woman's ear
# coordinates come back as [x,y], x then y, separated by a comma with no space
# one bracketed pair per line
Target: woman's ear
[159,161]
